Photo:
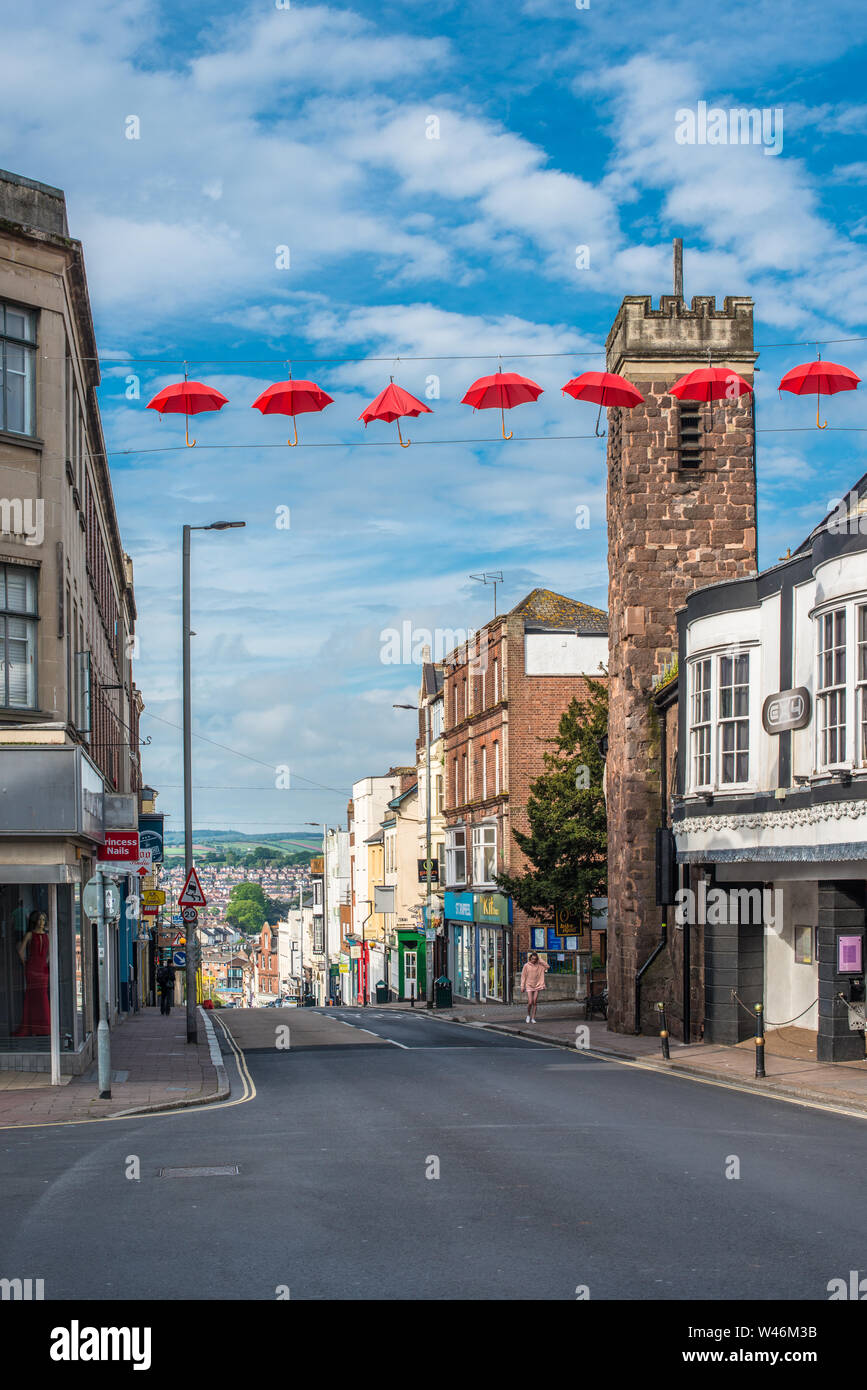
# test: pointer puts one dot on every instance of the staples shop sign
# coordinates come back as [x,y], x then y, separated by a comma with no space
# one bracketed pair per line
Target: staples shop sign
[119,844]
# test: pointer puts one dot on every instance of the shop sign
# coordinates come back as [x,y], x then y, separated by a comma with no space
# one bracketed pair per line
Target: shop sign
[492,907]
[119,844]
[153,897]
[459,907]
[433,866]
[150,831]
[788,709]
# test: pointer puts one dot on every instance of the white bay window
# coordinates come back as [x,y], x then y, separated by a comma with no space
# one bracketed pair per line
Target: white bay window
[719,721]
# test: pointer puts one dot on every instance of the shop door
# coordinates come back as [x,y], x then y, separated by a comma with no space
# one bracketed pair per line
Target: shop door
[410,974]
[484,948]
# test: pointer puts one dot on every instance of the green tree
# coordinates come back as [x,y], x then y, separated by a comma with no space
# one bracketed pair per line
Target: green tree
[567,840]
[247,908]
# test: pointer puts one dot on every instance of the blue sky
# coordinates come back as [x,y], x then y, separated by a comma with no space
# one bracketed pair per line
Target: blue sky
[306,127]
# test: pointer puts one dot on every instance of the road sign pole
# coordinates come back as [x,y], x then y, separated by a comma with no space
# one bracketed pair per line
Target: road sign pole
[103,1036]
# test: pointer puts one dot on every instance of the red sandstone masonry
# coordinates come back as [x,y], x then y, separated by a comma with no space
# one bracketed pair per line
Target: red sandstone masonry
[669,532]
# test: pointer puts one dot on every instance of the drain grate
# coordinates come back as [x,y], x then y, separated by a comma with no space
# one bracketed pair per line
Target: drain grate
[219,1171]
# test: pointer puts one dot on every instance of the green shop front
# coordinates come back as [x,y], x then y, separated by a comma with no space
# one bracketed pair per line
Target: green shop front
[407,978]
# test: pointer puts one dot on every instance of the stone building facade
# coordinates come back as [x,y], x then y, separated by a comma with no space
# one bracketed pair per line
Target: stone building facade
[681,513]
[69,707]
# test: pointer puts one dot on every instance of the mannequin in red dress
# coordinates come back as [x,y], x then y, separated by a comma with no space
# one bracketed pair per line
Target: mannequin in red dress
[33,950]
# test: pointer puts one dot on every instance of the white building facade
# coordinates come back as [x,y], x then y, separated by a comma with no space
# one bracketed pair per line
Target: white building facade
[772,789]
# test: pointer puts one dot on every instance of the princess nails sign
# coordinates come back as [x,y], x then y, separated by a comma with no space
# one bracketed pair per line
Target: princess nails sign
[119,844]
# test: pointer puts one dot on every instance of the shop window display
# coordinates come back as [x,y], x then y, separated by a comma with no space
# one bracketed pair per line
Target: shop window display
[25,969]
[25,1020]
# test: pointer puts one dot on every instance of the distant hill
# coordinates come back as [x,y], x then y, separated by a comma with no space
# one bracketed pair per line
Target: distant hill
[286,839]
[297,848]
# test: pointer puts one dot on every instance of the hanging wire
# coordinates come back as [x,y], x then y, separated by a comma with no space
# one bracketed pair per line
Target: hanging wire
[320,786]
[518,354]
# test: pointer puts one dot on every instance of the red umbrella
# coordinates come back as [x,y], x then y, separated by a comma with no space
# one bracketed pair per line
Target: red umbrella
[187,398]
[710,384]
[604,388]
[292,398]
[501,392]
[390,404]
[821,378]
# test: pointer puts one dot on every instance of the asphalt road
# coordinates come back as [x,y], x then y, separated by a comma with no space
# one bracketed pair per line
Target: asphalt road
[419,1159]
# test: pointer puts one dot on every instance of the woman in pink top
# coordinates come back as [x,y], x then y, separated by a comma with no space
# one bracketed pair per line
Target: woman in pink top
[532,981]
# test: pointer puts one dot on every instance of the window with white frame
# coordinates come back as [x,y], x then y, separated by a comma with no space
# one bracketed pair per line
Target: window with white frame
[484,854]
[484,771]
[496,751]
[862,681]
[831,688]
[700,722]
[496,673]
[18,637]
[17,369]
[456,854]
[457,782]
[734,717]
[436,720]
[466,778]
[719,720]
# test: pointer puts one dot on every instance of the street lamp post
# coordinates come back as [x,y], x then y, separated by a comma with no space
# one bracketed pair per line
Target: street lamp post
[191,932]
[428,944]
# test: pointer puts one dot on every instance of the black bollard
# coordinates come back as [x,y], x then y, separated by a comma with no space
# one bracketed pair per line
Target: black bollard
[760,1040]
[663,1032]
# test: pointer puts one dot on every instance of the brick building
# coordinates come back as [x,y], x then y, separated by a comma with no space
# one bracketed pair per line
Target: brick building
[503,695]
[266,965]
[681,514]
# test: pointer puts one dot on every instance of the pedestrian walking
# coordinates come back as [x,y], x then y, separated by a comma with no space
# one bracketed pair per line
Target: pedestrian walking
[166,982]
[532,983]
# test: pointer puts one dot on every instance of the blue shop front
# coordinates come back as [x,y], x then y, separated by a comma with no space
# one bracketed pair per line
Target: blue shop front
[479,937]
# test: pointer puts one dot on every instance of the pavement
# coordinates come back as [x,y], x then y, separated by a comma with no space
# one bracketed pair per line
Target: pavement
[790,1070]
[380,1156]
[153,1069]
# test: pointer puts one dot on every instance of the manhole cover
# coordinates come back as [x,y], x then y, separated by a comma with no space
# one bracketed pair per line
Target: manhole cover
[221,1170]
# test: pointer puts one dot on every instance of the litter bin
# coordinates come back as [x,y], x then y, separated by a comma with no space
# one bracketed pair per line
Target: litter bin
[381,992]
[443,992]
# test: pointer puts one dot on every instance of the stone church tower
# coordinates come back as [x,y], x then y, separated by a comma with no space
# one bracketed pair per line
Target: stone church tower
[681,514]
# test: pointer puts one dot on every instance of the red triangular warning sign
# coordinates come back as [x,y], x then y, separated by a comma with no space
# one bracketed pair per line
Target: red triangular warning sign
[191,894]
